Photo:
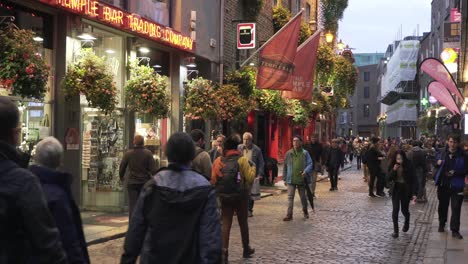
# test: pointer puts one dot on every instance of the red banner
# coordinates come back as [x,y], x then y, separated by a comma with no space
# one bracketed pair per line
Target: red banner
[276,59]
[437,70]
[304,69]
[442,95]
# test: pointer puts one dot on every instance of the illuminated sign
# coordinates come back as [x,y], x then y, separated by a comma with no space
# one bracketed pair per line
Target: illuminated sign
[121,19]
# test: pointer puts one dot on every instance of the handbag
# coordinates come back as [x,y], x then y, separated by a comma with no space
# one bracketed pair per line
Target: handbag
[255,191]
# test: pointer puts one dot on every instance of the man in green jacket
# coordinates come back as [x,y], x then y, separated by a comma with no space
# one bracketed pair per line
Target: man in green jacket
[297,166]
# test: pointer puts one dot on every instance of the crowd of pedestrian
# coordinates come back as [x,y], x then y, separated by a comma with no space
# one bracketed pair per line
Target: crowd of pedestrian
[183,213]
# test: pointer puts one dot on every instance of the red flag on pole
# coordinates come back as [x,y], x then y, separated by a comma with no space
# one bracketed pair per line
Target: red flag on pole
[277,57]
[437,70]
[304,70]
[444,97]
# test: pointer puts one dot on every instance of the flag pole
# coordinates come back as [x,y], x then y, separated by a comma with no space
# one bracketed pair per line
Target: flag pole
[271,38]
[309,39]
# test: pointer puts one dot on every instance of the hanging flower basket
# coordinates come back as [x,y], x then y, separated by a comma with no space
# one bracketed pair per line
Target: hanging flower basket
[23,71]
[147,92]
[231,104]
[200,100]
[91,77]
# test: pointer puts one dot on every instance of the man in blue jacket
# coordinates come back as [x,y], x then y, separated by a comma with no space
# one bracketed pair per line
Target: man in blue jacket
[297,166]
[450,180]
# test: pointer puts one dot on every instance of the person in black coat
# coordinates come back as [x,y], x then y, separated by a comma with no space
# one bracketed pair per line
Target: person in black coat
[333,162]
[374,156]
[56,186]
[402,174]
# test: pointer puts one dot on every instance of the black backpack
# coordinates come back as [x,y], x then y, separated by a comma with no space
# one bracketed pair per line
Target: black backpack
[365,156]
[229,185]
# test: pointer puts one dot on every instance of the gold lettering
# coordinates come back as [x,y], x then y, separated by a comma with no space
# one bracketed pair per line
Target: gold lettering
[94,8]
[158,31]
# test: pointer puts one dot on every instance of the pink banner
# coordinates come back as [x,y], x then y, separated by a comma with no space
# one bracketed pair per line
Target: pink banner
[444,97]
[304,69]
[277,58]
[437,70]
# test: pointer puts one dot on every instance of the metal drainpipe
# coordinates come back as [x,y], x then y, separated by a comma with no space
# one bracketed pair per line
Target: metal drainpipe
[221,43]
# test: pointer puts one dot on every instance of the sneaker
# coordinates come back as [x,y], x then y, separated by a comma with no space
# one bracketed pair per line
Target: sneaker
[288,218]
[395,235]
[331,189]
[382,194]
[456,235]
[441,229]
[306,214]
[250,214]
[372,195]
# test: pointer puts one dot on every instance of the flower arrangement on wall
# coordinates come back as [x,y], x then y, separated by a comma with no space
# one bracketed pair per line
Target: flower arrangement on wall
[23,71]
[200,100]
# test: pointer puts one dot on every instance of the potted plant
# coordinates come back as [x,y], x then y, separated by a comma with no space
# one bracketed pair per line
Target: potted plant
[147,92]
[90,76]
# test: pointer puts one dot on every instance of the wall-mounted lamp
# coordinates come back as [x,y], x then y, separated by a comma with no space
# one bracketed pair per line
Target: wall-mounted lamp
[190,62]
[329,37]
[86,37]
[144,50]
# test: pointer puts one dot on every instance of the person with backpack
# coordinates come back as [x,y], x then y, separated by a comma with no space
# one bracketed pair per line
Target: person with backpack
[233,175]
[27,229]
[176,218]
[202,160]
[297,166]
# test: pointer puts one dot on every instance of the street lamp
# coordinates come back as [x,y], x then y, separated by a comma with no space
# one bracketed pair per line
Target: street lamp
[329,37]
[340,45]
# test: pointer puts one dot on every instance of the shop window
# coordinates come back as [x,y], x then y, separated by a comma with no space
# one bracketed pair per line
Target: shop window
[307,13]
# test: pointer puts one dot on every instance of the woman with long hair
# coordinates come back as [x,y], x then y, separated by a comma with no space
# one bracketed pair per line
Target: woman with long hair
[402,174]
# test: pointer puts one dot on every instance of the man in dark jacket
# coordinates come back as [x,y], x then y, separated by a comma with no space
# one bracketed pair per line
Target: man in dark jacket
[141,166]
[452,166]
[333,162]
[27,230]
[202,161]
[176,218]
[374,156]
[315,151]
[417,156]
[56,185]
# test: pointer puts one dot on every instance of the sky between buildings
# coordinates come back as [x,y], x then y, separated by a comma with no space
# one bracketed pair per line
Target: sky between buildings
[370,25]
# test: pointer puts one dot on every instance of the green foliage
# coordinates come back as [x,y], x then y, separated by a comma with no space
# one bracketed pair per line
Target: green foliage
[90,76]
[305,33]
[271,101]
[245,79]
[325,64]
[333,11]
[281,17]
[22,69]
[301,111]
[344,77]
[426,124]
[147,92]
[200,100]
[231,105]
[320,103]
[252,8]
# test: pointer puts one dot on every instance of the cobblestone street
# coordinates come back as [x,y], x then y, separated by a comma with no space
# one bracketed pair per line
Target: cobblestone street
[348,227]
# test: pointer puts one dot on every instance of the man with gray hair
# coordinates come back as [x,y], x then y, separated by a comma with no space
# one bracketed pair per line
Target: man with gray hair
[56,186]
[254,154]
[28,231]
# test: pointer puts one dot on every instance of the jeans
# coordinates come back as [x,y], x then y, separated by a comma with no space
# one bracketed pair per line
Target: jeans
[292,193]
[374,174]
[227,213]
[358,161]
[401,196]
[313,182]
[421,183]
[333,175]
[446,196]
[133,194]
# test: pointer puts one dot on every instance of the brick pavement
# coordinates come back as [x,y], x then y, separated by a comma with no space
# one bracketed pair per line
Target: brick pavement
[348,227]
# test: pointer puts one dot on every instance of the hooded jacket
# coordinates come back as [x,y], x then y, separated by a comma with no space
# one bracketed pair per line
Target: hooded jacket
[175,220]
[56,186]
[27,230]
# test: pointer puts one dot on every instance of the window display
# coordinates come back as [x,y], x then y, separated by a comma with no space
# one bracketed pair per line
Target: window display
[103,148]
[151,130]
